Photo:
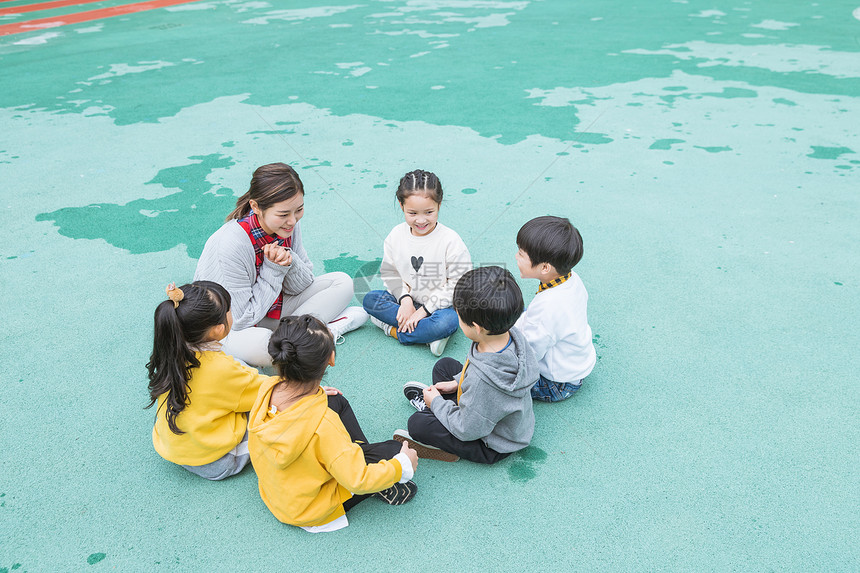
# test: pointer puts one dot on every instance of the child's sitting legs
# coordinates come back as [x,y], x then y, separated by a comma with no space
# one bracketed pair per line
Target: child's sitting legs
[441,324]
[546,390]
[373,453]
[424,427]
[227,465]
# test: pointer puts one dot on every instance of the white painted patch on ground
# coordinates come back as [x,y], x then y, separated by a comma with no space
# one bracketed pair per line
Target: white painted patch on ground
[150,213]
[489,21]
[708,14]
[463,4]
[420,33]
[249,6]
[561,96]
[90,29]
[301,14]
[117,70]
[36,40]
[193,7]
[97,110]
[453,11]
[774,25]
[774,57]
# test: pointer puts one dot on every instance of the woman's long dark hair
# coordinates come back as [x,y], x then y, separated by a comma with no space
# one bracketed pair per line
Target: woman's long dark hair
[301,348]
[270,184]
[177,331]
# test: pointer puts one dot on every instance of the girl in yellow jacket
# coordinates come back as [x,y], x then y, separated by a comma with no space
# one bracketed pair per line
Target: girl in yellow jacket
[312,460]
[203,394]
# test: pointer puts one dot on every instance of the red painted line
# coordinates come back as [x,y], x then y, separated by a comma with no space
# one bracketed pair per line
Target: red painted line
[46,23]
[43,6]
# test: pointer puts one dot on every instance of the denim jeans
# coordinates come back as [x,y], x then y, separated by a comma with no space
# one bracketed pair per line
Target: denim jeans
[546,390]
[441,324]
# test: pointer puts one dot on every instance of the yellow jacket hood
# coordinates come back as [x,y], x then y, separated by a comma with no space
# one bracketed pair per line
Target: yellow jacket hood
[286,436]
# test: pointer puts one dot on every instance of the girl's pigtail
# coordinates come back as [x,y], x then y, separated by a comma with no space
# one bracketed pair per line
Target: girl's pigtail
[170,364]
[182,324]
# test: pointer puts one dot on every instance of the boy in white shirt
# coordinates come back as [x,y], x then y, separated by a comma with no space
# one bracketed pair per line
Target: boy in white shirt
[556,322]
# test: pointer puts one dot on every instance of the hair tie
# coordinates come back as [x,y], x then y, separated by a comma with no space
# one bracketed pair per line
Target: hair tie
[174,294]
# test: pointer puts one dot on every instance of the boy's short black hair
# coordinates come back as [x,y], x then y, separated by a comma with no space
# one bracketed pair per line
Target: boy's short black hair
[551,240]
[490,298]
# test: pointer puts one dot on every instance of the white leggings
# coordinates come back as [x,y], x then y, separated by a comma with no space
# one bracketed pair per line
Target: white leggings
[325,298]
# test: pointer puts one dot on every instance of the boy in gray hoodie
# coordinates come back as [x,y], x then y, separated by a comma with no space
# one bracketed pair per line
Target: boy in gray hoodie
[480,411]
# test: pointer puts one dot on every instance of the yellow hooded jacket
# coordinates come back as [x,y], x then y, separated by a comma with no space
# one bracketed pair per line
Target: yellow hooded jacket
[214,421]
[306,463]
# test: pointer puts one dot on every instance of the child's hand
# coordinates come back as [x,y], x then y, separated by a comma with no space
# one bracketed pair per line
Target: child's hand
[448,387]
[429,394]
[407,309]
[411,454]
[329,391]
[278,254]
[410,323]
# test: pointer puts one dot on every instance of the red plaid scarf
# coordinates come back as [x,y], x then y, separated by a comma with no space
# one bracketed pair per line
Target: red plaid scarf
[259,239]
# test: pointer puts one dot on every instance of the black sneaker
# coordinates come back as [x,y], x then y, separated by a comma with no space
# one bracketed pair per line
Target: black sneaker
[414,392]
[399,493]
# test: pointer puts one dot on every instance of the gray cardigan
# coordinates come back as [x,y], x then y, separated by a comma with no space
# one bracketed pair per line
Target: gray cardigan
[228,259]
[496,404]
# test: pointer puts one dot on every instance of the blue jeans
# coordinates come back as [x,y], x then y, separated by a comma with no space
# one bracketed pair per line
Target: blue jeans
[441,324]
[545,390]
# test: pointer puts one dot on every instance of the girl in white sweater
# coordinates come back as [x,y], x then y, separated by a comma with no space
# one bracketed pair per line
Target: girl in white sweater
[421,263]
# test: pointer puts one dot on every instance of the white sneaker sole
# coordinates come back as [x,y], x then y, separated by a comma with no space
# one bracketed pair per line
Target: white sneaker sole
[437,347]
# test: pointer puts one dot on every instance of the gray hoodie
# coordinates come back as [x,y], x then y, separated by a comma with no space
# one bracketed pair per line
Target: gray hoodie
[496,403]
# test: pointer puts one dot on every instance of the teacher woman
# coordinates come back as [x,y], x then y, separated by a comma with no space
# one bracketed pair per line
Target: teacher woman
[258,256]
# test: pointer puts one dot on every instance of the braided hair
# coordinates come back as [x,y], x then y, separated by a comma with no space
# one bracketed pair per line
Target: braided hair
[420,182]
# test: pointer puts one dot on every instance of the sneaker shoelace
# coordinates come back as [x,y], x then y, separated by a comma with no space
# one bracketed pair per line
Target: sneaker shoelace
[418,403]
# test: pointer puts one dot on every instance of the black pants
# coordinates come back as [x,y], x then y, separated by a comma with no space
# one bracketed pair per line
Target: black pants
[372,452]
[427,429]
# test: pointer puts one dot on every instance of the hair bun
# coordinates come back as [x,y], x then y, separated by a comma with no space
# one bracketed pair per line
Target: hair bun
[288,351]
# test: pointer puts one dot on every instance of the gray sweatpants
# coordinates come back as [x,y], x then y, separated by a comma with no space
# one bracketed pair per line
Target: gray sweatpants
[325,298]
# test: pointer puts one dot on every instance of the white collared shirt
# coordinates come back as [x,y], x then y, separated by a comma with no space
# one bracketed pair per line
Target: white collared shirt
[556,326]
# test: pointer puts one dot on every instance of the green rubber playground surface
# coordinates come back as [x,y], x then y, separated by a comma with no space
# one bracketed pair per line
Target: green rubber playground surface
[708,151]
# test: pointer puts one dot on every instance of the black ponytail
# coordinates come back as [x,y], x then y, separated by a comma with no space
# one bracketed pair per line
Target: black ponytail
[301,348]
[177,332]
